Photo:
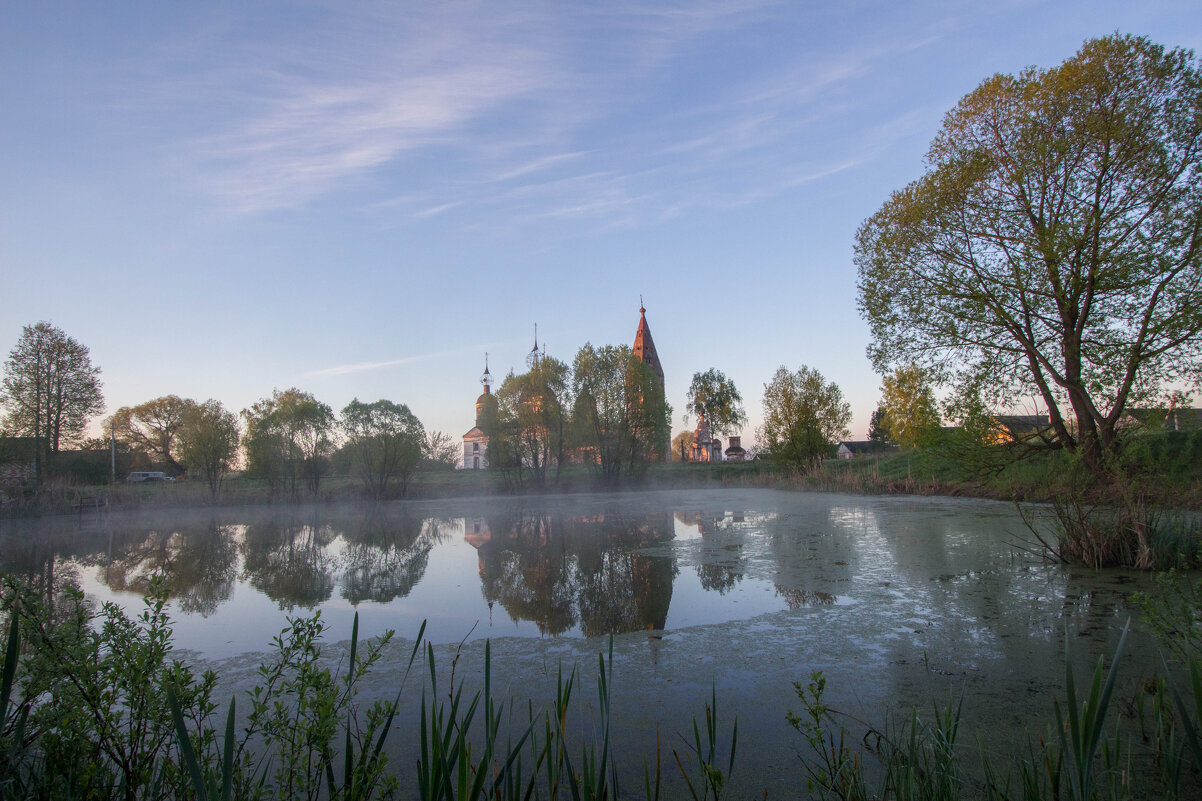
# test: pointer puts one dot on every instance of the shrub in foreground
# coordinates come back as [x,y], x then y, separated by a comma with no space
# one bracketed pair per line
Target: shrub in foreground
[94,705]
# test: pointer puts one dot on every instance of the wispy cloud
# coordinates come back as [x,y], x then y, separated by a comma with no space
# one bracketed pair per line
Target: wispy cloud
[365,367]
[525,115]
[537,165]
[434,211]
[329,111]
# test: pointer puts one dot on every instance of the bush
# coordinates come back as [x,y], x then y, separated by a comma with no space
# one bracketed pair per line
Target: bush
[91,688]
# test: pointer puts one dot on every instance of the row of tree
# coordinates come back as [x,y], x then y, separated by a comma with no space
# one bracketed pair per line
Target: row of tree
[607,409]
[291,439]
[51,390]
[294,440]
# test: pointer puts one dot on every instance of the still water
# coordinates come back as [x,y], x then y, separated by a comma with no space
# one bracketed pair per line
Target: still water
[898,600]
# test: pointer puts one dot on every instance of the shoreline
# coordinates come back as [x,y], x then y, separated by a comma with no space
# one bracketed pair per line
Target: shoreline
[916,473]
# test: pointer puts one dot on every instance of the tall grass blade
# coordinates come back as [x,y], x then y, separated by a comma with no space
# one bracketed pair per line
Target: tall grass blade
[185,748]
[651,791]
[348,756]
[1086,721]
[227,757]
[11,652]
[396,703]
[1191,719]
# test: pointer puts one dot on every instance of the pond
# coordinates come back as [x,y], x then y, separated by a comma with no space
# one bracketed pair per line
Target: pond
[897,600]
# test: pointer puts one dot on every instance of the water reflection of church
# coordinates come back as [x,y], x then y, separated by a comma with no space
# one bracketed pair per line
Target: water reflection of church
[561,571]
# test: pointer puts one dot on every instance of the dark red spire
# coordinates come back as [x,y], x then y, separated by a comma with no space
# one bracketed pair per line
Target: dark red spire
[644,346]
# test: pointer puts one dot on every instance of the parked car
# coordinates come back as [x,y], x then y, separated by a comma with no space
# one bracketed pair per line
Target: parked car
[147,475]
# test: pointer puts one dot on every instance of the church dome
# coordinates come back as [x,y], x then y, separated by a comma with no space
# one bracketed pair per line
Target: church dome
[486,410]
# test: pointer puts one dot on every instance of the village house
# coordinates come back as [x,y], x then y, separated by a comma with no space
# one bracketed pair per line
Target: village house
[735,452]
[1172,419]
[857,448]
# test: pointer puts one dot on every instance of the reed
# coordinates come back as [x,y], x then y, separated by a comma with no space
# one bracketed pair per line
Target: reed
[1085,755]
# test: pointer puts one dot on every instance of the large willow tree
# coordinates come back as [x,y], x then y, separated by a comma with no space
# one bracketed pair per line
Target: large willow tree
[1054,245]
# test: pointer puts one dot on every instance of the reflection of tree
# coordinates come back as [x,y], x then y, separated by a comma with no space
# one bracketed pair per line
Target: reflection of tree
[527,570]
[199,563]
[289,562]
[798,599]
[629,592]
[386,556]
[720,562]
[718,577]
[557,570]
[33,564]
[531,586]
[34,559]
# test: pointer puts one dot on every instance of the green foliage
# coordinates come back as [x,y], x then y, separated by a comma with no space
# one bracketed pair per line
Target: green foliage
[1082,733]
[713,396]
[301,733]
[441,452]
[1107,521]
[705,752]
[127,721]
[1190,712]
[449,767]
[1084,756]
[1174,454]
[838,772]
[288,439]
[876,427]
[1051,249]
[16,772]
[109,732]
[528,435]
[804,418]
[911,418]
[620,419]
[386,442]
[208,442]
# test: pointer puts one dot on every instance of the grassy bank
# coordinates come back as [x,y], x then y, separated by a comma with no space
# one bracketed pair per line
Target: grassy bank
[1161,469]
[1164,469]
[63,497]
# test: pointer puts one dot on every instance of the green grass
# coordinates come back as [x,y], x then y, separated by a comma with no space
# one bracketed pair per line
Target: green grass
[1163,468]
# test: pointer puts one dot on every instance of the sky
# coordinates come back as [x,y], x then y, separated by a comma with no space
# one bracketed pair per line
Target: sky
[361,200]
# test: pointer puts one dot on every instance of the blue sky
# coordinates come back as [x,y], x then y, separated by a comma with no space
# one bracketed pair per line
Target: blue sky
[360,200]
